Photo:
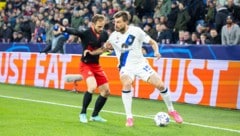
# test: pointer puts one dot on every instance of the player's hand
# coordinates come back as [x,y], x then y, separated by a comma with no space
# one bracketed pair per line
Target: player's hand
[108,45]
[157,55]
[86,52]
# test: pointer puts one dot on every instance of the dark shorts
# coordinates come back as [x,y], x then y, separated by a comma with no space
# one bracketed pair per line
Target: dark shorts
[95,70]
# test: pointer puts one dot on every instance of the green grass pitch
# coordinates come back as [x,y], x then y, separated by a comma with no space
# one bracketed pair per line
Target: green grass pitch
[33,111]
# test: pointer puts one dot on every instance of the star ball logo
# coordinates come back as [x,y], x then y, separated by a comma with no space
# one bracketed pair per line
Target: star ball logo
[130,39]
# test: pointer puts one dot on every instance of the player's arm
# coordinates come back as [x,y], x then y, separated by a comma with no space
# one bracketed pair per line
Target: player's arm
[154,45]
[72,31]
[106,47]
[94,52]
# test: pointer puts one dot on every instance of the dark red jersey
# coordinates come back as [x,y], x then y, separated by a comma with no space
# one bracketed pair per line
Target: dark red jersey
[90,41]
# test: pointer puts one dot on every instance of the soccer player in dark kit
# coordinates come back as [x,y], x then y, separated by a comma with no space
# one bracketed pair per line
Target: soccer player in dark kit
[92,39]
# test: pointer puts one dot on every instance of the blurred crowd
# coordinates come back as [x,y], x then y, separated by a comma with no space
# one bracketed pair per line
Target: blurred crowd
[166,21]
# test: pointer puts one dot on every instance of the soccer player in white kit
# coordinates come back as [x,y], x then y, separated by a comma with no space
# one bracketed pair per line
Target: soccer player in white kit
[127,43]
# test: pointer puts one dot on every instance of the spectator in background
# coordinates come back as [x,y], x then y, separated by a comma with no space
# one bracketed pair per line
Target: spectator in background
[9,7]
[159,33]
[39,31]
[56,17]
[195,38]
[115,9]
[56,44]
[20,37]
[202,28]
[67,12]
[65,22]
[148,28]
[187,38]
[136,21]
[110,7]
[156,21]
[165,7]
[144,7]
[77,21]
[12,18]
[230,32]
[27,11]
[183,18]
[143,21]
[234,10]
[26,26]
[104,8]
[180,39]
[14,37]
[94,10]
[6,33]
[172,16]
[85,25]
[214,37]
[210,13]
[129,8]
[164,35]
[220,18]
[196,11]
[204,39]
[109,26]
[157,10]
[163,19]
[48,28]
[150,21]
[17,26]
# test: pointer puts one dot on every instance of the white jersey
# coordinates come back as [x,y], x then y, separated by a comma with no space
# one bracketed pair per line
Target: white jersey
[128,46]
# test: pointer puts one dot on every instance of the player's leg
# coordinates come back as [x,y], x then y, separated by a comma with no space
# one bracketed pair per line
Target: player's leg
[103,87]
[91,86]
[87,74]
[100,102]
[127,98]
[155,80]
[87,98]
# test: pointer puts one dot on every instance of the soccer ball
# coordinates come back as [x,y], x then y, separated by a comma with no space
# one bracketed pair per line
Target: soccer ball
[162,119]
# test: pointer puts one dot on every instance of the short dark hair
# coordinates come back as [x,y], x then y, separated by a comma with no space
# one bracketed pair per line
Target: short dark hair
[124,14]
[97,17]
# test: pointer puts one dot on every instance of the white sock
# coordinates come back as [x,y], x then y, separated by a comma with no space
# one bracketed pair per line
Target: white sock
[127,102]
[167,99]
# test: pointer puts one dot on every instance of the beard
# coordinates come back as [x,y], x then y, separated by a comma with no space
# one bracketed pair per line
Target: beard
[121,30]
[97,31]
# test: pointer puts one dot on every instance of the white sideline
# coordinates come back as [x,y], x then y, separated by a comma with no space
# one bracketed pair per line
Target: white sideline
[120,113]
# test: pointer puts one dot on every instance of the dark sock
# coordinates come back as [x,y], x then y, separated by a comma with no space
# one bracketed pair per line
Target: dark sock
[86,101]
[98,105]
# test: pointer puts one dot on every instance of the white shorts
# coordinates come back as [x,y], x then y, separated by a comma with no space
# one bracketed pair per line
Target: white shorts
[142,70]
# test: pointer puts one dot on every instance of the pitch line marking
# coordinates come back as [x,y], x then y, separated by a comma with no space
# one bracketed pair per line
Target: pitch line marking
[113,112]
